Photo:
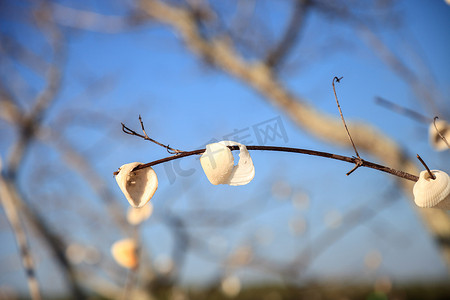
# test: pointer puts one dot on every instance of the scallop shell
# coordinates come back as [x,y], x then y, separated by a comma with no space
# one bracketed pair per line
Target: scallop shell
[124,253]
[136,216]
[244,171]
[432,193]
[137,186]
[217,163]
[435,140]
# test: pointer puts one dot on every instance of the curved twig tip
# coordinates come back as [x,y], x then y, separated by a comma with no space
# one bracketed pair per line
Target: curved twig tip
[337,79]
[439,132]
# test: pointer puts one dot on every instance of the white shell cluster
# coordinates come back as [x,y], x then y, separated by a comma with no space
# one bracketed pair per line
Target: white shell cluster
[137,186]
[218,164]
[435,140]
[432,193]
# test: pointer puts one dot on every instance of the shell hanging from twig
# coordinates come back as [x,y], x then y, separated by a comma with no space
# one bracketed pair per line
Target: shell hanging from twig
[430,192]
[124,253]
[244,171]
[218,164]
[137,186]
[436,140]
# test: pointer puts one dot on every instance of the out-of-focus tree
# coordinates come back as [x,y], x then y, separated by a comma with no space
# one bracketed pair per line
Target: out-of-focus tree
[231,36]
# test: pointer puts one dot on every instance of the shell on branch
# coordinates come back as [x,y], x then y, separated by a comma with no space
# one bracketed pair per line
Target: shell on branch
[218,164]
[429,192]
[138,186]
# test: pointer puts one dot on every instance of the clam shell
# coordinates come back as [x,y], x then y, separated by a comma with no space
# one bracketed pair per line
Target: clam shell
[136,216]
[244,171]
[124,253]
[432,193]
[137,186]
[435,140]
[217,163]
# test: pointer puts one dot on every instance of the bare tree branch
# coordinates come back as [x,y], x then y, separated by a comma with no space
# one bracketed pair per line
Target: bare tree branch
[12,214]
[89,20]
[22,54]
[356,160]
[279,53]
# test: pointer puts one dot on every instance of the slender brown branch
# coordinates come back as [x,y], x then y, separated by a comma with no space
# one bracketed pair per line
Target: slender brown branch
[358,159]
[336,79]
[354,160]
[440,134]
[357,165]
[146,137]
[426,167]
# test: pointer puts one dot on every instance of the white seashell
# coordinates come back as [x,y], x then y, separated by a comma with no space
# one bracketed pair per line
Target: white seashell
[432,193]
[136,216]
[244,171]
[137,186]
[435,140]
[124,253]
[217,163]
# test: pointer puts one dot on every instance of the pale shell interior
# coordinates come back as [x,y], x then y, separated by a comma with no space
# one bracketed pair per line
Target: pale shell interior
[435,139]
[124,253]
[432,193]
[218,164]
[137,186]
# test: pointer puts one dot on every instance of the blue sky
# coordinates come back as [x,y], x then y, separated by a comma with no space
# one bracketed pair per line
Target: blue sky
[186,104]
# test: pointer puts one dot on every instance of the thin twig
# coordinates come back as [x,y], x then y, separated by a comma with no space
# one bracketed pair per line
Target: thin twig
[146,137]
[357,165]
[353,160]
[358,159]
[402,110]
[426,167]
[440,134]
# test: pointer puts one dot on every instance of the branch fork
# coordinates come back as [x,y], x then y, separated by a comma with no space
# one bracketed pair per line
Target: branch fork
[144,136]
